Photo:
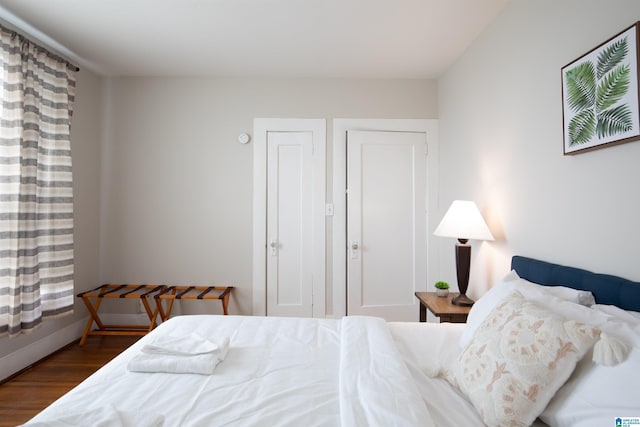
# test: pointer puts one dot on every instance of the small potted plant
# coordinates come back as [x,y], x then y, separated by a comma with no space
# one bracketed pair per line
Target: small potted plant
[442,289]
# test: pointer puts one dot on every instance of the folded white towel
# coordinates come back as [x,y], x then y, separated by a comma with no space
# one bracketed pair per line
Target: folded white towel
[203,363]
[186,345]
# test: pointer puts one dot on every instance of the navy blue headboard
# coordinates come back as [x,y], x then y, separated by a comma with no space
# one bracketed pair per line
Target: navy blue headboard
[605,288]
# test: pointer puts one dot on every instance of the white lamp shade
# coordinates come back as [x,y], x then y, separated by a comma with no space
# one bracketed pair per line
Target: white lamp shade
[463,221]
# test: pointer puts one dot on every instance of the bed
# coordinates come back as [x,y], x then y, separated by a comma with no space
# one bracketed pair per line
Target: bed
[362,371]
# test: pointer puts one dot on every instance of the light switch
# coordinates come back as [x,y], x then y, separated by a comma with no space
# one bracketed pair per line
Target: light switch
[328,209]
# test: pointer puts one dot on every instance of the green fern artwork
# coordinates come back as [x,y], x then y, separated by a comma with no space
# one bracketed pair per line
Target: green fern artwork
[599,94]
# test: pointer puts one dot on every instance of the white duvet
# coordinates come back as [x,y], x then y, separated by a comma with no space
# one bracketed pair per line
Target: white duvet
[277,372]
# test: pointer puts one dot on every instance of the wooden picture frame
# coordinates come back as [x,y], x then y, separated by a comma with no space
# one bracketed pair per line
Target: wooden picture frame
[600,95]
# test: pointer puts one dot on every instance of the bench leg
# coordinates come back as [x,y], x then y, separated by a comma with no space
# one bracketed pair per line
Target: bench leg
[152,315]
[93,316]
[225,304]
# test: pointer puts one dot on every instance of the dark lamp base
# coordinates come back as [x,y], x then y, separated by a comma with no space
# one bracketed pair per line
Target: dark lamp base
[462,300]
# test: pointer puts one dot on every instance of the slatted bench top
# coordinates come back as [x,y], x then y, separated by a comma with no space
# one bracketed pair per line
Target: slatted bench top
[194,292]
[122,291]
[172,293]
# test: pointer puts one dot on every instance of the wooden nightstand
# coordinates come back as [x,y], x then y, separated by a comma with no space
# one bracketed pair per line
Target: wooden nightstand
[441,307]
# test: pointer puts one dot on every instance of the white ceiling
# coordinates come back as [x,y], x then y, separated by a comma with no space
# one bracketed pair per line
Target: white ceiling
[283,38]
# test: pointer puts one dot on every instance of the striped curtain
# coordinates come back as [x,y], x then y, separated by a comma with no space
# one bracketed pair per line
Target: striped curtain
[36,194]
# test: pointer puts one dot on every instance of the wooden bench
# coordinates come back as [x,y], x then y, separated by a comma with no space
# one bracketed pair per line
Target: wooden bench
[172,293]
[93,298]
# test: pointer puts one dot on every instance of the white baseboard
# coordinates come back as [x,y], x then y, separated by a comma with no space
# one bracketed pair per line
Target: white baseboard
[29,354]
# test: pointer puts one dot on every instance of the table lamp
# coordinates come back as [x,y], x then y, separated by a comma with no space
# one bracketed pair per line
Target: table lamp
[463,222]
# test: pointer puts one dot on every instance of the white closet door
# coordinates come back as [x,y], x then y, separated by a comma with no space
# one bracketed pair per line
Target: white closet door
[289,226]
[386,223]
[289,194]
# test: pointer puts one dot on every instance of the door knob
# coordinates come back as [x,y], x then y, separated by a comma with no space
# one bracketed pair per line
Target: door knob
[354,250]
[274,247]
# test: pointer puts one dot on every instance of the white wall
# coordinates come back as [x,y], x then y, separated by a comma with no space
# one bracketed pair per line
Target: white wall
[501,145]
[163,190]
[176,198]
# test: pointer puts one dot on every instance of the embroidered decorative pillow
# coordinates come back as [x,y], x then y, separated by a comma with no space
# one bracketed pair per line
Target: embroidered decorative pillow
[519,357]
[531,291]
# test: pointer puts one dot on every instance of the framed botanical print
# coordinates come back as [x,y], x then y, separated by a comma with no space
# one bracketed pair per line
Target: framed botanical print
[600,95]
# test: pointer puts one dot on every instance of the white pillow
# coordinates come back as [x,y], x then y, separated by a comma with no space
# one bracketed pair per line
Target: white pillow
[531,291]
[596,395]
[521,354]
[618,313]
[621,324]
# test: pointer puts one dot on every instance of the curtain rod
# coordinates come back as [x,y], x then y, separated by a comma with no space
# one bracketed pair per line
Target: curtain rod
[13,27]
[24,39]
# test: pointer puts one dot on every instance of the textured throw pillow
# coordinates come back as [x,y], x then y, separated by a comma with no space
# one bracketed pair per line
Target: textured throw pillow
[519,357]
[531,291]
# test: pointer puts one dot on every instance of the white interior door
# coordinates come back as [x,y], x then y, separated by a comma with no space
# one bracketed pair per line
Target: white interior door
[289,223]
[289,228]
[386,223]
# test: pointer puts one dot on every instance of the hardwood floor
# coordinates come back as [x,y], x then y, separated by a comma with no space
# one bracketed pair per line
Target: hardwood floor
[23,396]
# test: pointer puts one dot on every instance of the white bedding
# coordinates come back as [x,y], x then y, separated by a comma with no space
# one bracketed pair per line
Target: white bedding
[277,372]
[426,346]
